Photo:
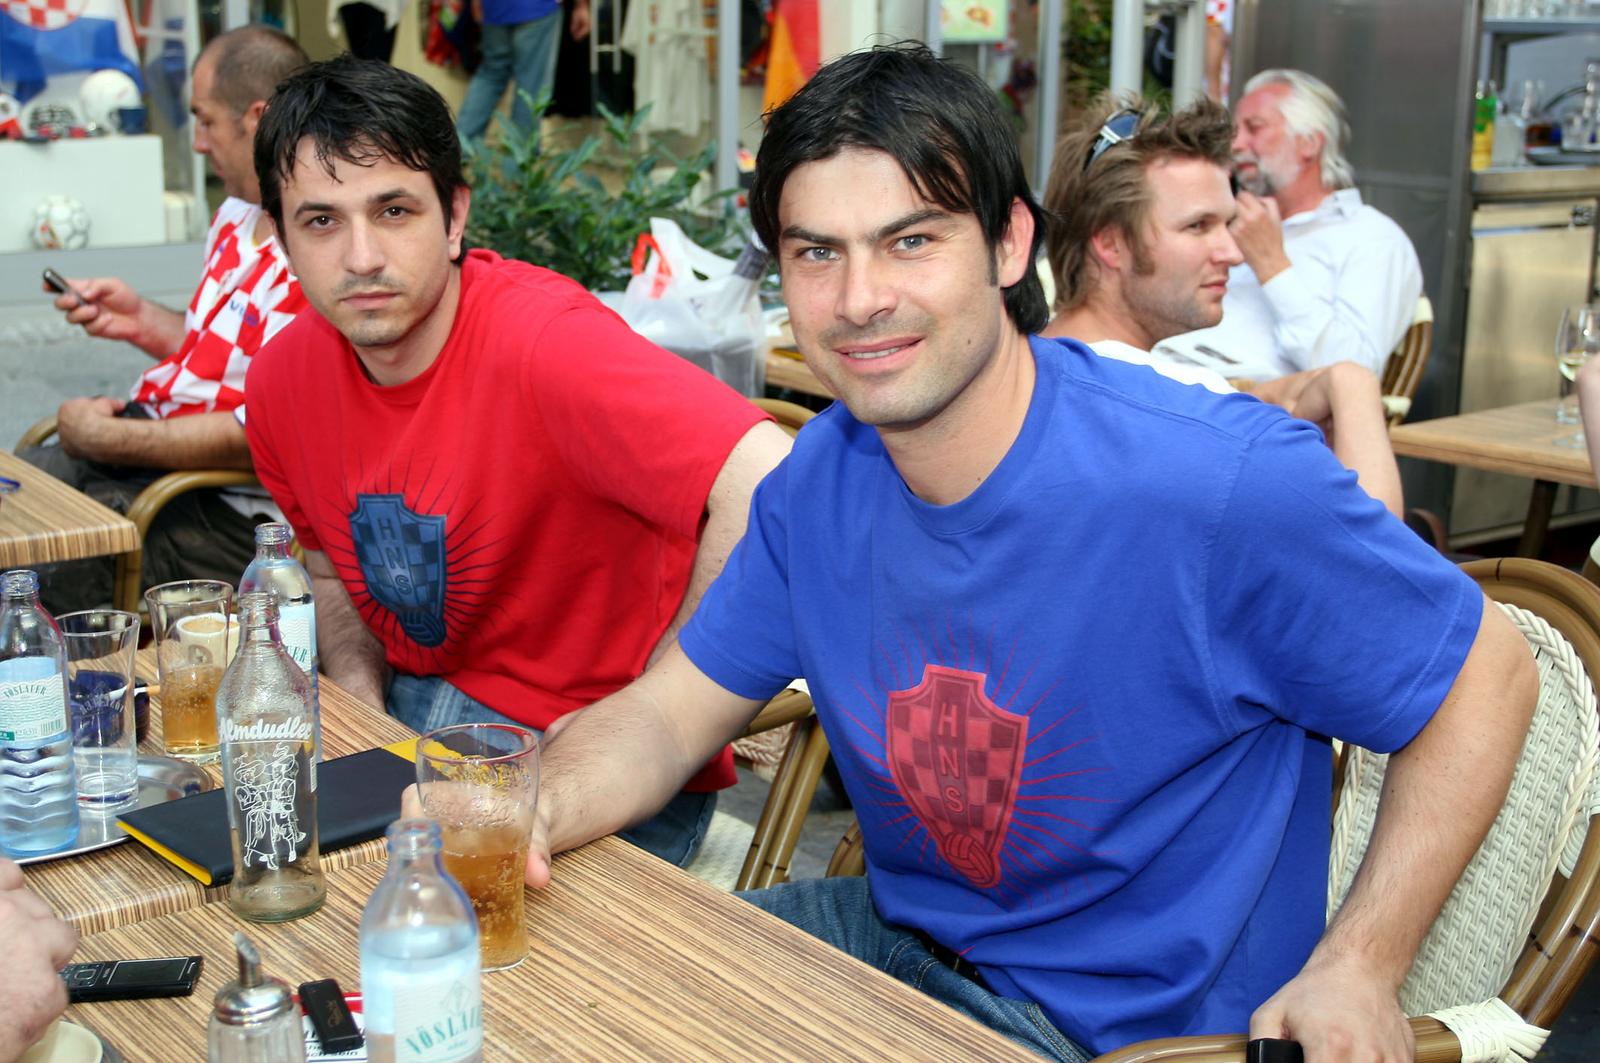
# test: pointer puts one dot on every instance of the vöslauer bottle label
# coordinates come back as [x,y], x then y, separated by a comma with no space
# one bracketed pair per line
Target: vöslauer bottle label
[438,1021]
[297,624]
[32,710]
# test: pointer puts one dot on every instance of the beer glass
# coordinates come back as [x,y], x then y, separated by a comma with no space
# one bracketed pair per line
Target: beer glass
[195,638]
[479,781]
[100,648]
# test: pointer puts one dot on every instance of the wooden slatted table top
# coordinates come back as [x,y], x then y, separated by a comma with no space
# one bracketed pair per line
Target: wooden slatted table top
[629,958]
[45,521]
[1520,440]
[786,370]
[126,883]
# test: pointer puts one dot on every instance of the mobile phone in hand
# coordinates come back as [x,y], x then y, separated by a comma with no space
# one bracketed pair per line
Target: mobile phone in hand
[58,284]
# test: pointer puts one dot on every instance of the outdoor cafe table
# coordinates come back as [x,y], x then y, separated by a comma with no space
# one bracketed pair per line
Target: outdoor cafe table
[45,521]
[629,958]
[1520,440]
[126,882]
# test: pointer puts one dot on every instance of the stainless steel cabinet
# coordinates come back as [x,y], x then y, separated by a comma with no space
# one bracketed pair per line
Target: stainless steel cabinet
[1528,260]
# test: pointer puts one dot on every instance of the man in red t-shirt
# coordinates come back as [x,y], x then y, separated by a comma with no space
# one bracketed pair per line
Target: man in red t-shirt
[187,410]
[509,501]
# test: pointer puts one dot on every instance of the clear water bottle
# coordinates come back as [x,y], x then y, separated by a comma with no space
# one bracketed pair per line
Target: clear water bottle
[38,787]
[268,726]
[279,574]
[421,989]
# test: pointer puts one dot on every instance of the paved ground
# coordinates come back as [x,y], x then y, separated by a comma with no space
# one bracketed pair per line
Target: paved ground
[43,360]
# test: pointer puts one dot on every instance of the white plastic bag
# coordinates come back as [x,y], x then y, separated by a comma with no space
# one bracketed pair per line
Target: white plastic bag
[697,305]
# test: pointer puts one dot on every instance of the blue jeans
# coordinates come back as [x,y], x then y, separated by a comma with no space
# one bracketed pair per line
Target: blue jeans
[427,703]
[840,912]
[526,52]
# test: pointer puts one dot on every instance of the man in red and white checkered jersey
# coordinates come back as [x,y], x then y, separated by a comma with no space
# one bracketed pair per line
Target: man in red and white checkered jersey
[187,411]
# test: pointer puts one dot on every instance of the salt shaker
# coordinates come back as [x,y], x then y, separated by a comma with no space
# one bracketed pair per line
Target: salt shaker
[254,1020]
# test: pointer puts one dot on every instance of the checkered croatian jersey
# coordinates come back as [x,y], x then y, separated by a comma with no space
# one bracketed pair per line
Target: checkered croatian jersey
[245,297]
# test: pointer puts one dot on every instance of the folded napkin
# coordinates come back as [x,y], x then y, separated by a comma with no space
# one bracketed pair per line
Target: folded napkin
[358,796]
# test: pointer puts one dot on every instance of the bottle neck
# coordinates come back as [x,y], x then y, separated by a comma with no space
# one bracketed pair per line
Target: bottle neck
[258,619]
[272,541]
[413,843]
[19,585]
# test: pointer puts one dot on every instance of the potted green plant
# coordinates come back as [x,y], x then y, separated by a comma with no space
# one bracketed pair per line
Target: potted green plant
[552,209]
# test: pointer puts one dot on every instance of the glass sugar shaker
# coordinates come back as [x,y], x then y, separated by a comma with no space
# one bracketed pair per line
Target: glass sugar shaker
[254,1020]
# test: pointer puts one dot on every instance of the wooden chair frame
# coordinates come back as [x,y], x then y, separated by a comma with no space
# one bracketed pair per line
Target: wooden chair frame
[1402,374]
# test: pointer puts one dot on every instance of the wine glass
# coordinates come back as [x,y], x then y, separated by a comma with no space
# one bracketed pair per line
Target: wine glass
[1577,340]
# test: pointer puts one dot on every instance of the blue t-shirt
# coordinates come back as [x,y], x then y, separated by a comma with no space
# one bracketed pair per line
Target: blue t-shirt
[516,12]
[1080,712]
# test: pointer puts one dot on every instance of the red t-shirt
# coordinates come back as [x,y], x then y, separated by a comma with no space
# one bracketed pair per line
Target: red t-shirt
[521,518]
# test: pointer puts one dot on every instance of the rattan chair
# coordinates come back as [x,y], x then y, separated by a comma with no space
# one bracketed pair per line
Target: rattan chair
[1403,372]
[126,592]
[1518,933]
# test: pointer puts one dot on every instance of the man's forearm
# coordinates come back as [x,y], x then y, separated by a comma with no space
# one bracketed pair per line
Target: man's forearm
[620,760]
[347,650]
[1440,794]
[161,331]
[1360,431]
[197,441]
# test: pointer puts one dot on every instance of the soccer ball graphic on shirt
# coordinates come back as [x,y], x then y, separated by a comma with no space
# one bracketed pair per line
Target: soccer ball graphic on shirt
[60,223]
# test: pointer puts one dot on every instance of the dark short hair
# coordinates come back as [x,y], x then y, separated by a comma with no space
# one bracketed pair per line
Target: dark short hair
[249,62]
[1083,199]
[360,111]
[940,122]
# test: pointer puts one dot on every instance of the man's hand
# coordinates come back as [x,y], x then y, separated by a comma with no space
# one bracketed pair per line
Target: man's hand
[580,19]
[113,311]
[86,425]
[1258,230]
[1337,1012]
[537,871]
[38,946]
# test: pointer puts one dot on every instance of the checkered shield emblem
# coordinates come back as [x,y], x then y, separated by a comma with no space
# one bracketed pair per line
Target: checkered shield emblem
[401,553]
[957,757]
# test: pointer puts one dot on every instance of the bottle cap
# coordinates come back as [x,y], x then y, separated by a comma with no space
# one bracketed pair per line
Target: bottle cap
[255,999]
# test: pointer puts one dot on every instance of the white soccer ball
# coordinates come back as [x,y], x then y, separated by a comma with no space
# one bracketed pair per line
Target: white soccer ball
[60,223]
[104,93]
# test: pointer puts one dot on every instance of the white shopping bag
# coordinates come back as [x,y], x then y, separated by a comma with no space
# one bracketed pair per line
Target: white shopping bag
[699,305]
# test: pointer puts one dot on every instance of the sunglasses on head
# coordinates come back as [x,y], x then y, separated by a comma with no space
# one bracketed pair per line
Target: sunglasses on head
[1119,127]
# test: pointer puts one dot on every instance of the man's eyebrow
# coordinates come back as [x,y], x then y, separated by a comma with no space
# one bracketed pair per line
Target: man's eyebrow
[375,200]
[883,232]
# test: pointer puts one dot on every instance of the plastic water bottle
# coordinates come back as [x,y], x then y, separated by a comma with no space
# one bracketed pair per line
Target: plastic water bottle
[38,788]
[421,989]
[268,726]
[277,573]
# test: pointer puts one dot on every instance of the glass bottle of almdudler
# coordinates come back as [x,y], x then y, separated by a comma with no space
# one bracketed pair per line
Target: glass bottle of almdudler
[268,726]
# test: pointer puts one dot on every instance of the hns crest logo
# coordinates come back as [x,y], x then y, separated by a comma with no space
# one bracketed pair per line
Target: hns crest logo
[402,559]
[957,756]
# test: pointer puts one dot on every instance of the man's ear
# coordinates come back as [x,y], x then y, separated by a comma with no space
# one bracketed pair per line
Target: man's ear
[1109,249]
[1308,146]
[252,117]
[460,206]
[1012,258]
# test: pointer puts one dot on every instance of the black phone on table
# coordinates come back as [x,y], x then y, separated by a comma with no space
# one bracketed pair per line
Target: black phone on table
[165,976]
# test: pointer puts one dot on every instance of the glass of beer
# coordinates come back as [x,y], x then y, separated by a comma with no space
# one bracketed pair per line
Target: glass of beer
[196,636]
[480,782]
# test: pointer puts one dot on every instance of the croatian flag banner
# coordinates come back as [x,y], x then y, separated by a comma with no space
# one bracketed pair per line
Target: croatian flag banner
[42,38]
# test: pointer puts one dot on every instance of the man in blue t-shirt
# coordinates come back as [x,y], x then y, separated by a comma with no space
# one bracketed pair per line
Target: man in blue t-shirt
[519,41]
[1075,631]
